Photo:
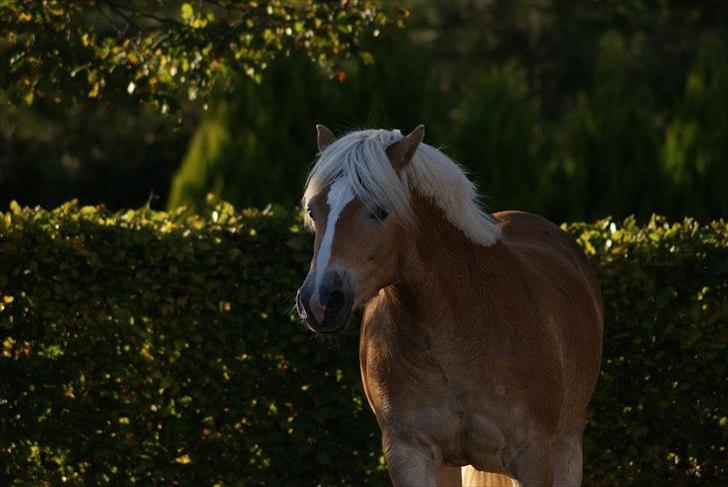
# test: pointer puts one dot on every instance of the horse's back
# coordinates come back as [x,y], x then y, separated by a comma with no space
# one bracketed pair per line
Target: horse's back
[561,276]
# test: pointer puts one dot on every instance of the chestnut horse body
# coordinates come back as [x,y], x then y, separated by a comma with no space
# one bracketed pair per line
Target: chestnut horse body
[481,337]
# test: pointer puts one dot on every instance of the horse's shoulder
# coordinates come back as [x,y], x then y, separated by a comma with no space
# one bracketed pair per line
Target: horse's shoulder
[540,244]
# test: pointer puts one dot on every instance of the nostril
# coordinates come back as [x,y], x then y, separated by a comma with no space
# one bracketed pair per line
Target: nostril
[335,301]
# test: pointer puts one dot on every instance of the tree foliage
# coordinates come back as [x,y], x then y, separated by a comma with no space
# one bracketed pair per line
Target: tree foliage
[585,111]
[154,49]
[571,109]
[695,154]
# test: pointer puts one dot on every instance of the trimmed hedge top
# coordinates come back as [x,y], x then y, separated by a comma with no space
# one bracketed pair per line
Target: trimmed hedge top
[148,347]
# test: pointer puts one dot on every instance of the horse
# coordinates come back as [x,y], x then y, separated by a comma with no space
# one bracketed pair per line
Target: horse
[481,335]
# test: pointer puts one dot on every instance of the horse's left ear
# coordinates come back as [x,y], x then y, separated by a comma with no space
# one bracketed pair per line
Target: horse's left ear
[401,152]
[324,137]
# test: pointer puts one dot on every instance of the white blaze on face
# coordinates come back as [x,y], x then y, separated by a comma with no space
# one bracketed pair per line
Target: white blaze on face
[340,195]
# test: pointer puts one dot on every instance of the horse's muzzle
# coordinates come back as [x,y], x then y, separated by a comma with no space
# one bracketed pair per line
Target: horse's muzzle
[329,310]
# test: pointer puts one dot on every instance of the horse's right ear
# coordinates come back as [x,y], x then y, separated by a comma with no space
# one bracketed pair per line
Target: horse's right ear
[325,137]
[401,152]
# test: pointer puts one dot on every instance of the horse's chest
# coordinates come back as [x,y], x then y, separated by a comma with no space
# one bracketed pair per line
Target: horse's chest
[418,399]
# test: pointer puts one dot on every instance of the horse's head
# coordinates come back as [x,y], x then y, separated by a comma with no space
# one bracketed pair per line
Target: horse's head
[357,219]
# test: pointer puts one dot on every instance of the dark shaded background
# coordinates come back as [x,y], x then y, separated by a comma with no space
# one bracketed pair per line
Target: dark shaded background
[575,110]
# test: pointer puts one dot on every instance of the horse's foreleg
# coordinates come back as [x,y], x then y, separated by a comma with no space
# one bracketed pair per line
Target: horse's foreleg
[567,450]
[410,463]
[534,466]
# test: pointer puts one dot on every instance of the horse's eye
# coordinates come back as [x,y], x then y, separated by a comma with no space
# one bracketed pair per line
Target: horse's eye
[378,213]
[310,213]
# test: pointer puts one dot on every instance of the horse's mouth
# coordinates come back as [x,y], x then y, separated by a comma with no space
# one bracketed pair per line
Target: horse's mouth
[331,325]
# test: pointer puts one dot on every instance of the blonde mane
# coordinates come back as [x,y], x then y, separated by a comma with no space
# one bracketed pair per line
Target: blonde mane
[361,160]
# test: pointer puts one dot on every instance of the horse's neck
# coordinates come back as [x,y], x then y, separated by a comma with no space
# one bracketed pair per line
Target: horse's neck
[442,275]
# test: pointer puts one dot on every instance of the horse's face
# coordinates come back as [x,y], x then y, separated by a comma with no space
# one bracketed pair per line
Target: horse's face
[355,255]
[356,250]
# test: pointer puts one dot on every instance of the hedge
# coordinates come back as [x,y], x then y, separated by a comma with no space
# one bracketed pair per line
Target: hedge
[144,347]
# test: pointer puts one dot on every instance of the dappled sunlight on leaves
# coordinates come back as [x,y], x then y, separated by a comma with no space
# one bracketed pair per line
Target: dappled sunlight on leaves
[147,347]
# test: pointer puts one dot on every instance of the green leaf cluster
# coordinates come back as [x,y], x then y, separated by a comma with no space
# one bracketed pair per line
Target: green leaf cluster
[145,347]
[660,410]
[153,50]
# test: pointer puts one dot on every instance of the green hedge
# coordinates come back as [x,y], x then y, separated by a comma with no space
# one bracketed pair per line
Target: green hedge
[659,415]
[144,347]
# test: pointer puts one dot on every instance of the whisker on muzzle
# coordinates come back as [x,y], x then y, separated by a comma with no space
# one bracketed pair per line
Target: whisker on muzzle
[332,341]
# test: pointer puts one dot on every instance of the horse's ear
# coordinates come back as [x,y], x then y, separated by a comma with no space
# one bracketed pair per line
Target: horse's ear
[401,152]
[325,137]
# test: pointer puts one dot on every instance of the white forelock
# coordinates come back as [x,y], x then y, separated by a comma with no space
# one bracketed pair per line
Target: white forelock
[360,159]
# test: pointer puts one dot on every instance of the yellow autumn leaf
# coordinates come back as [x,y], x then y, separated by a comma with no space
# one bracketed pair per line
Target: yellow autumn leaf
[183,459]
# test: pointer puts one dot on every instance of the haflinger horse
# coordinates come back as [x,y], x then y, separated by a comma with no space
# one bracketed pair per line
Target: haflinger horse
[481,337]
